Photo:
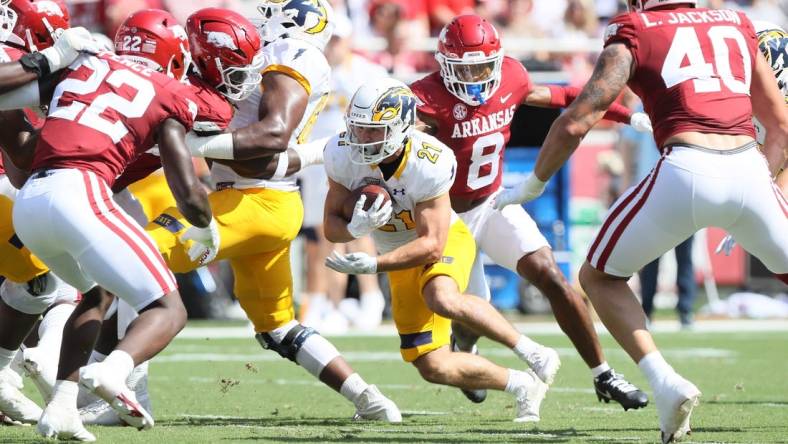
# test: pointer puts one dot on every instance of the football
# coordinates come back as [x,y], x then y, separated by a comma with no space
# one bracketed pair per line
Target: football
[371,191]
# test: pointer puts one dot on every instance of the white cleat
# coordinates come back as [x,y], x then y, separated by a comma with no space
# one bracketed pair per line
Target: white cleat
[99,411]
[675,399]
[61,422]
[114,391]
[372,405]
[13,403]
[41,369]
[529,398]
[545,363]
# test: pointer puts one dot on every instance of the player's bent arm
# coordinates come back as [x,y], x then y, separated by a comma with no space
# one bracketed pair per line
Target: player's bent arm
[190,196]
[556,96]
[18,141]
[432,219]
[769,108]
[612,71]
[282,106]
[334,225]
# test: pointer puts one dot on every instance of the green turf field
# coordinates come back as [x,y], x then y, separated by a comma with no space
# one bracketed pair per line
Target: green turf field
[229,390]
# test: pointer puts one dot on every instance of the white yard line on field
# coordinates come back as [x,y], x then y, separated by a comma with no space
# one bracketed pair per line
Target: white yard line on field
[531,328]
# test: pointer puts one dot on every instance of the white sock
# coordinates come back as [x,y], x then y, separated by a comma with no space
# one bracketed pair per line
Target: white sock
[65,393]
[654,366]
[96,356]
[516,379]
[524,347]
[599,369]
[353,387]
[6,356]
[120,362]
[50,331]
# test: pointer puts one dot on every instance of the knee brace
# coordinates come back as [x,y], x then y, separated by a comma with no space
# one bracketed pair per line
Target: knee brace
[32,297]
[300,344]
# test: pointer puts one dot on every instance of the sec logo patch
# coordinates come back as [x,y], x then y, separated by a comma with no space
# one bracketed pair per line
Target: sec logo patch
[460,111]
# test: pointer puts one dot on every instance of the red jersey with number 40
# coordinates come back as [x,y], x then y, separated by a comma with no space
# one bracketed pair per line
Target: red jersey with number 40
[693,68]
[476,134]
[105,112]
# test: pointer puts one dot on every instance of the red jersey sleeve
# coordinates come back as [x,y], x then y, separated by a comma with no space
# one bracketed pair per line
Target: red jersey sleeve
[422,88]
[623,29]
[519,75]
[181,104]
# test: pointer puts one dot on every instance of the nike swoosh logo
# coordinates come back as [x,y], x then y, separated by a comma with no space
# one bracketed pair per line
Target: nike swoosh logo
[505,98]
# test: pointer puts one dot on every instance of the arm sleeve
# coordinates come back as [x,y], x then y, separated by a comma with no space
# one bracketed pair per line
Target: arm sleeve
[184,107]
[623,29]
[299,60]
[439,178]
[562,96]
[335,159]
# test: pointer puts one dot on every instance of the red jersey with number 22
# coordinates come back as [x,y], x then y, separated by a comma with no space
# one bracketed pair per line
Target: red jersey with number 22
[476,134]
[105,112]
[693,68]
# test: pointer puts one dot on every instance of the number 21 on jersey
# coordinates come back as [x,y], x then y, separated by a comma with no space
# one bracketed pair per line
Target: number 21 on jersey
[706,76]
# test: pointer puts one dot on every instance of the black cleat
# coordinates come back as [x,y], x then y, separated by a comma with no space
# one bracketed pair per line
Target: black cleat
[475,396]
[611,386]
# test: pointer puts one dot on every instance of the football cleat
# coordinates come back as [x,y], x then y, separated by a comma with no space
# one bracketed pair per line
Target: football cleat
[611,386]
[99,412]
[114,391]
[41,370]
[372,405]
[675,398]
[62,422]
[545,363]
[476,396]
[13,403]
[529,397]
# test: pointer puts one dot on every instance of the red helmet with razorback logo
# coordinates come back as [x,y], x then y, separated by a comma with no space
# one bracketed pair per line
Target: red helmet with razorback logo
[470,57]
[37,22]
[227,51]
[154,38]
[643,5]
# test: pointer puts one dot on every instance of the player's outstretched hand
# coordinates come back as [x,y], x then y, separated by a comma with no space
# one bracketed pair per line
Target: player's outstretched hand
[641,122]
[726,245]
[68,45]
[206,242]
[525,191]
[352,263]
[364,221]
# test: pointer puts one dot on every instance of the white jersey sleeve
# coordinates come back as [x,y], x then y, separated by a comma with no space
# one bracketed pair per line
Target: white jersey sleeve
[336,160]
[437,164]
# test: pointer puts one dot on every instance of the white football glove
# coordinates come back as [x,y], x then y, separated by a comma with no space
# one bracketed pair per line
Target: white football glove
[206,242]
[68,44]
[726,245]
[363,221]
[641,122]
[352,263]
[525,191]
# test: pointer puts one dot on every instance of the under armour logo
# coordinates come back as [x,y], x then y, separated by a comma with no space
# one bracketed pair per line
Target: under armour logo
[395,191]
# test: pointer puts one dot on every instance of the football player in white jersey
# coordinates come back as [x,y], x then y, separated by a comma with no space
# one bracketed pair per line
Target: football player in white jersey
[425,248]
[258,218]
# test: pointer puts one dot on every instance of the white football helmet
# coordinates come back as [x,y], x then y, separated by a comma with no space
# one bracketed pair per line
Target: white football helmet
[773,43]
[379,119]
[8,18]
[643,5]
[309,20]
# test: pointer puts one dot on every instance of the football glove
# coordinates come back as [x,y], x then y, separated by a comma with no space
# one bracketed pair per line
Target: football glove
[205,243]
[364,221]
[525,191]
[352,263]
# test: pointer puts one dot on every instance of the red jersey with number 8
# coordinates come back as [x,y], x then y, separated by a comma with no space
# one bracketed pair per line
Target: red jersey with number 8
[693,68]
[105,112]
[476,134]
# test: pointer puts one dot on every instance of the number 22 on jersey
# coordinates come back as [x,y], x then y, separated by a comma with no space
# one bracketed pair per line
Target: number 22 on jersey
[90,115]
[686,61]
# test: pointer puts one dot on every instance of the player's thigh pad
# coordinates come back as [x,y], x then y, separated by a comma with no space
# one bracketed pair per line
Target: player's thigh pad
[422,331]
[264,288]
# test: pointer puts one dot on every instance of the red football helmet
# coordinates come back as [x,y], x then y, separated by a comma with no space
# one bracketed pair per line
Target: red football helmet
[38,22]
[227,51]
[642,5]
[470,56]
[154,38]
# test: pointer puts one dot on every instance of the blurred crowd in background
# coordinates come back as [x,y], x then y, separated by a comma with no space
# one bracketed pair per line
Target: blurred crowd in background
[557,40]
